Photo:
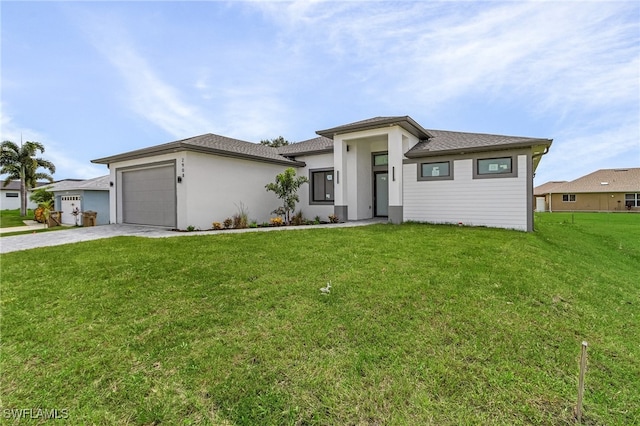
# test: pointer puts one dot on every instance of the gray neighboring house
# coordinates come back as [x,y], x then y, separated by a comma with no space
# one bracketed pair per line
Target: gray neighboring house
[83,195]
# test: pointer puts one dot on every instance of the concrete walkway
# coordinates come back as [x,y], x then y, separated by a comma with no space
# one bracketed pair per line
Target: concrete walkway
[76,235]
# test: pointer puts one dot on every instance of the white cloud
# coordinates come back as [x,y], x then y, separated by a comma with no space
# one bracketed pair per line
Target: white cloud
[148,94]
[67,165]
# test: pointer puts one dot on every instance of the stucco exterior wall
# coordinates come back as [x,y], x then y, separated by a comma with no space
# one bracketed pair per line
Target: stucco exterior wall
[13,203]
[214,188]
[495,202]
[313,162]
[589,202]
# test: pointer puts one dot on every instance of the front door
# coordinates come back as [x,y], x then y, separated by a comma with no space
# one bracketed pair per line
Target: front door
[381,194]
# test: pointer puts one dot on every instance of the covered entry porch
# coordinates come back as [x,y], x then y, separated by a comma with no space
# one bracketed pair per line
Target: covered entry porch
[367,160]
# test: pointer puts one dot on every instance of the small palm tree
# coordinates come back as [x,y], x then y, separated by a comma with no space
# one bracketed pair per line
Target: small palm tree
[20,163]
[286,188]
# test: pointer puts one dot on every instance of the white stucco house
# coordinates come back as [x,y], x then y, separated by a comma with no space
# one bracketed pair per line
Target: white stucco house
[381,167]
[10,198]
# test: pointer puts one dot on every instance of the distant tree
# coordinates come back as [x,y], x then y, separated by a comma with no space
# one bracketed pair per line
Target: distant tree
[275,143]
[286,188]
[20,163]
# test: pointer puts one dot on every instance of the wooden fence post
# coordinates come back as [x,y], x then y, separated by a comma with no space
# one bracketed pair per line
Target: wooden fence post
[583,368]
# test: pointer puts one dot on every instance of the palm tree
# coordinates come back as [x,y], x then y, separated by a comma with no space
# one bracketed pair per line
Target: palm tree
[20,163]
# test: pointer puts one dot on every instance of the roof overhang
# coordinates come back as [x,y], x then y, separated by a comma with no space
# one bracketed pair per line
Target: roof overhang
[174,147]
[406,122]
[541,144]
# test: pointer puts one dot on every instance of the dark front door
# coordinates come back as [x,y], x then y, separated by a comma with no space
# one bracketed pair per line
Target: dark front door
[381,194]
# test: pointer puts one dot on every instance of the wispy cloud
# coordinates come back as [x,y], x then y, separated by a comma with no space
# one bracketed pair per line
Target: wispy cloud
[572,65]
[148,94]
[55,151]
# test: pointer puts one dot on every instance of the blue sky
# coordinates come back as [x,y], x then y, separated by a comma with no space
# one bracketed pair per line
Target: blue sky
[93,79]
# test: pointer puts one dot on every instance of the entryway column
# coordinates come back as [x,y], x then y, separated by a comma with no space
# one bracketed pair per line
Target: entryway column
[395,175]
[340,207]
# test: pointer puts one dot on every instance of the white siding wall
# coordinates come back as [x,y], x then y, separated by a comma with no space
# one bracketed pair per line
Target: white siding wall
[320,161]
[217,185]
[500,202]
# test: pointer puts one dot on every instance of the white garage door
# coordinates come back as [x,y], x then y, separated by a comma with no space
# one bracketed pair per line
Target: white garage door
[69,203]
[149,196]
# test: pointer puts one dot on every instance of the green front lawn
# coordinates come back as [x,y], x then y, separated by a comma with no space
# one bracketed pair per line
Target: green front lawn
[11,218]
[424,324]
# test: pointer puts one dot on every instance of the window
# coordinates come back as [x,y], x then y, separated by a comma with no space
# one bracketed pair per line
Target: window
[494,166]
[569,198]
[380,159]
[435,171]
[12,195]
[322,186]
[632,200]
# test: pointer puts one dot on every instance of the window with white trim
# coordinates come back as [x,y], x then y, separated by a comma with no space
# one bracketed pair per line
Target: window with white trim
[12,195]
[632,200]
[568,198]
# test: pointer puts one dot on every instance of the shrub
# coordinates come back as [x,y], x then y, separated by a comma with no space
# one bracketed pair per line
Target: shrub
[298,219]
[216,225]
[333,218]
[227,223]
[276,221]
[241,219]
[191,228]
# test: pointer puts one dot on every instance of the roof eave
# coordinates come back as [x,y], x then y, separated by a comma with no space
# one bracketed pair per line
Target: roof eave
[177,147]
[488,148]
[411,126]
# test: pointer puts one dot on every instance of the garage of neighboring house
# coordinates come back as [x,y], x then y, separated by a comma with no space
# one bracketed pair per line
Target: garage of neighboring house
[70,207]
[149,195]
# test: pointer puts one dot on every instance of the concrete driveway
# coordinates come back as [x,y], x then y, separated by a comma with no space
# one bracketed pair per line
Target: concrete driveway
[76,235]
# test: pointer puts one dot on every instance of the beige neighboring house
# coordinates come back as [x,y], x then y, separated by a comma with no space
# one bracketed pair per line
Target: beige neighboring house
[605,190]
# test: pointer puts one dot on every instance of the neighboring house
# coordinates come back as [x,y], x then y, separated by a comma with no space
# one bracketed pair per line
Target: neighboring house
[603,190]
[542,194]
[83,195]
[382,167]
[10,196]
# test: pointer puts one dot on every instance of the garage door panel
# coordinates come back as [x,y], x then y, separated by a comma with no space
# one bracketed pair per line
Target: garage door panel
[149,196]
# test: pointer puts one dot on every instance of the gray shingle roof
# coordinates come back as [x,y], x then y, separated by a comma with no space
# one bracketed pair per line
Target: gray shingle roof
[96,184]
[211,144]
[312,146]
[446,142]
[403,121]
[14,185]
[604,180]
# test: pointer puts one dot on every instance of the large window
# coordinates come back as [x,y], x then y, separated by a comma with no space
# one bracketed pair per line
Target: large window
[632,200]
[322,186]
[569,198]
[494,166]
[435,171]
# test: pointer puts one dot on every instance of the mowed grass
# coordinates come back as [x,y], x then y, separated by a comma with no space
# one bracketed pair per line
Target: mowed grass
[424,324]
[11,218]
